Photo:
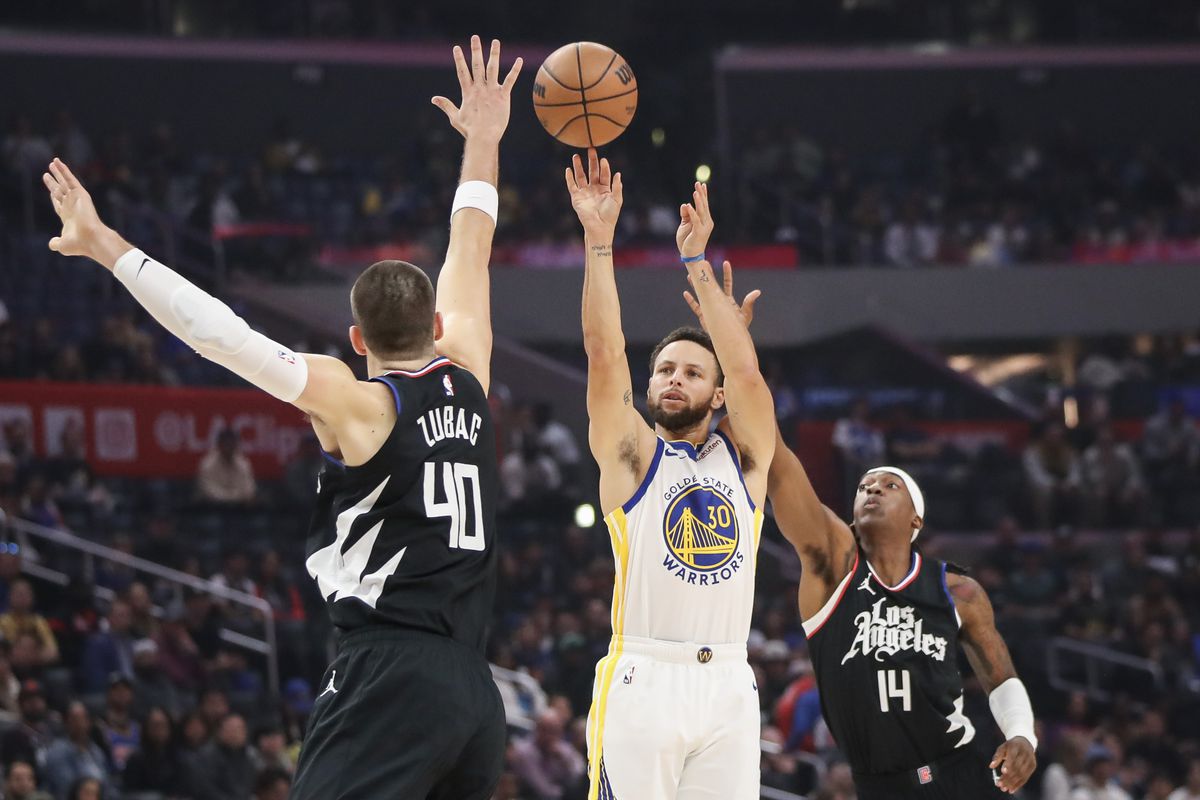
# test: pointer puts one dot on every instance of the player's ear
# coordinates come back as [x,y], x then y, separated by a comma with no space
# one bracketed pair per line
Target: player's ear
[357,341]
[439,327]
[718,398]
[917,522]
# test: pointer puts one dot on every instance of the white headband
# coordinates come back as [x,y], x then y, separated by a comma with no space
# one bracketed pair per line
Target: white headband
[914,491]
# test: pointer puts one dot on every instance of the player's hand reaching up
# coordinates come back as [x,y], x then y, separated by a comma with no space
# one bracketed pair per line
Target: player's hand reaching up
[695,223]
[81,225]
[595,196]
[1016,761]
[745,310]
[485,99]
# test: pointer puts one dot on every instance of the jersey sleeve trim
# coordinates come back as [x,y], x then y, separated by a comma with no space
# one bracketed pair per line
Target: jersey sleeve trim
[950,597]
[394,390]
[641,490]
[737,464]
[818,620]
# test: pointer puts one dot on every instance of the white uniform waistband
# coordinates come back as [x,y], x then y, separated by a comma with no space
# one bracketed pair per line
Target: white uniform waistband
[681,652]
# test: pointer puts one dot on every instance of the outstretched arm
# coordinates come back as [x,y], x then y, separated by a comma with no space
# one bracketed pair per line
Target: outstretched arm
[620,439]
[463,295]
[824,542]
[318,385]
[992,664]
[747,398]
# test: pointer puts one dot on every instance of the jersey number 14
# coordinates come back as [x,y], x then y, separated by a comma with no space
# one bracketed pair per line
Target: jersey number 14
[894,684]
[466,524]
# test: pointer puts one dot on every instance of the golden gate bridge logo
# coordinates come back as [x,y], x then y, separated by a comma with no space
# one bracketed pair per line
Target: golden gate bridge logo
[701,529]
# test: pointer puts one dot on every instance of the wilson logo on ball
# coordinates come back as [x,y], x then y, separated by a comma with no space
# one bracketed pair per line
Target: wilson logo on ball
[585,94]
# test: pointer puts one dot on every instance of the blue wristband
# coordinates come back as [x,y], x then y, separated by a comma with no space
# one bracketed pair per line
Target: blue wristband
[691,259]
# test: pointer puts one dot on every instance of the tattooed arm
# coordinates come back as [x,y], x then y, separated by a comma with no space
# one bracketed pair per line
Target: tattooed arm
[621,441]
[990,659]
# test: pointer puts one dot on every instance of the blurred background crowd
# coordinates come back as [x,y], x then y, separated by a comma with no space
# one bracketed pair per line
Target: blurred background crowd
[1077,506]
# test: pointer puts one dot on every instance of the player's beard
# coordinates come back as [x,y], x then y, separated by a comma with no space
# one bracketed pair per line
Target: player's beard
[682,420]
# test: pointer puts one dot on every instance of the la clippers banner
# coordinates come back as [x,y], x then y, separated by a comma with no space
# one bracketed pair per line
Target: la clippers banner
[154,431]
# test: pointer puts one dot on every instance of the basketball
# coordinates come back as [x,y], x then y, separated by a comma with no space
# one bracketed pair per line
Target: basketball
[585,94]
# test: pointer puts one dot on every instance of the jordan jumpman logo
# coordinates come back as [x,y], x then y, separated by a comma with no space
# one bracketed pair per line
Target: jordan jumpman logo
[330,687]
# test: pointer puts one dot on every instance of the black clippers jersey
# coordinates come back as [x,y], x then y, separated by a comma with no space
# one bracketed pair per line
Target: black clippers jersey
[886,663]
[409,537]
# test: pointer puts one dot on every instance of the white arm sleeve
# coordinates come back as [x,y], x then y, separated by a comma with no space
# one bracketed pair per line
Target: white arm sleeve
[1013,712]
[210,327]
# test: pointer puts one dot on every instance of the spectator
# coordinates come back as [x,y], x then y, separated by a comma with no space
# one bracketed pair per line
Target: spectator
[178,655]
[20,782]
[781,770]
[225,476]
[1067,769]
[271,752]
[1154,746]
[160,544]
[1191,789]
[226,768]
[75,756]
[86,789]
[1097,781]
[122,733]
[272,784]
[30,739]
[1115,492]
[300,477]
[1171,449]
[1052,474]
[110,650]
[143,623]
[859,445]
[235,575]
[556,440]
[156,765]
[546,762]
[151,686]
[21,619]
[527,475]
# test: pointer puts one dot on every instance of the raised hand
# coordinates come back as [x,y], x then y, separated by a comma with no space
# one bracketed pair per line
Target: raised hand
[596,196]
[485,100]
[745,310]
[74,206]
[695,223]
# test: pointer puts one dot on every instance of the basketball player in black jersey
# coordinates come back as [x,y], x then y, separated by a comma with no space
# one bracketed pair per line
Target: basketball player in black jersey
[402,542]
[882,625]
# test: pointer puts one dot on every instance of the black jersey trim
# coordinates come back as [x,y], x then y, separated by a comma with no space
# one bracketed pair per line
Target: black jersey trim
[737,464]
[394,390]
[439,361]
[641,490]
[845,584]
[913,572]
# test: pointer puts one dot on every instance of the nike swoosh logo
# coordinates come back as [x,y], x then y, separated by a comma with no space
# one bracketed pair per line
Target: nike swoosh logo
[145,261]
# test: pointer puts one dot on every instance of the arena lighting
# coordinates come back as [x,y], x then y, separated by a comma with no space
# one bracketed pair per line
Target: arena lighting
[585,516]
[703,173]
[658,137]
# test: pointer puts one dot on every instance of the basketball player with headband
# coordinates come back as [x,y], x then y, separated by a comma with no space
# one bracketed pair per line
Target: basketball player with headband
[882,624]
[675,711]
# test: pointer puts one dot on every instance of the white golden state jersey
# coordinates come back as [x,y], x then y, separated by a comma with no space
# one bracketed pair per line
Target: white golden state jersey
[686,546]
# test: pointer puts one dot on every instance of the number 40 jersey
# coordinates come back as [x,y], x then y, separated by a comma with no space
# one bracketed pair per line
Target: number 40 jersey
[409,537]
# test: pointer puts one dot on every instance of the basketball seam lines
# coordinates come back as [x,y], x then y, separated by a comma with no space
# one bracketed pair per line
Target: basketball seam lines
[582,94]
[602,74]
[593,100]
[556,79]
[585,115]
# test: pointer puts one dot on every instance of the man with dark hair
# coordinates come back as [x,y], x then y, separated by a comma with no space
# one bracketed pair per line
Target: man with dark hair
[882,627]
[675,711]
[402,540]
[20,783]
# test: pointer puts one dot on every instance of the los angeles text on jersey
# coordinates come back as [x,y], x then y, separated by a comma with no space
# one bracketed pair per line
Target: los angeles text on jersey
[701,531]
[448,422]
[889,629]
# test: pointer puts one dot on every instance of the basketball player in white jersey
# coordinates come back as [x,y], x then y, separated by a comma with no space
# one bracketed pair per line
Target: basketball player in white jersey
[675,710]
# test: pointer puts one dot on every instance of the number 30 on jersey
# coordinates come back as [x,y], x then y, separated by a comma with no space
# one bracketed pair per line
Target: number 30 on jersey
[466,525]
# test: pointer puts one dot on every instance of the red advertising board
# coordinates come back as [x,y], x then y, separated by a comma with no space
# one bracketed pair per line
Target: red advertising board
[155,431]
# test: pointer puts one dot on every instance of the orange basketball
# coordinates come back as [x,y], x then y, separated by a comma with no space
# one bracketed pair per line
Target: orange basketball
[585,94]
